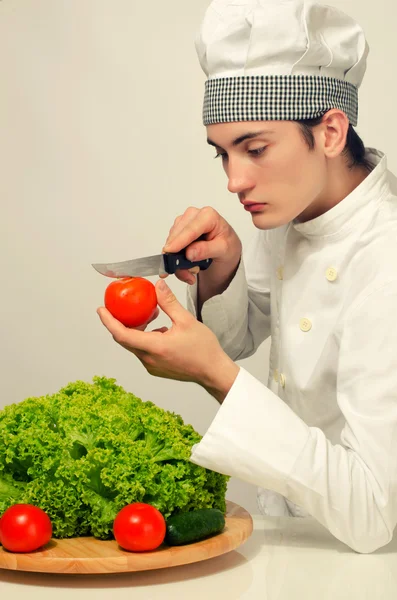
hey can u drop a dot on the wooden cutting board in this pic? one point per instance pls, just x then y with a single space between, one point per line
89 555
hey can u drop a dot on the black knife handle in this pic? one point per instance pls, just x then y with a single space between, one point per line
177 260
174 261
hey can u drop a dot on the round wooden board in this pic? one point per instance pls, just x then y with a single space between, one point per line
89 555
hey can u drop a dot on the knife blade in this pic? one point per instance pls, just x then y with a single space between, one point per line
158 264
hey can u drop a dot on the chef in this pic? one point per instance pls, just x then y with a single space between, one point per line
319 275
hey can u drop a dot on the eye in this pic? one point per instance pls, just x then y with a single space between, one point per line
257 151
223 155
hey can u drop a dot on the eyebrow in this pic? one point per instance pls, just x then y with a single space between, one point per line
247 136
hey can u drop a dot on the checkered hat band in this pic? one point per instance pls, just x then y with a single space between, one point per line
277 98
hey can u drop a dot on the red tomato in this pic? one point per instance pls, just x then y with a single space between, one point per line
139 527
131 300
24 528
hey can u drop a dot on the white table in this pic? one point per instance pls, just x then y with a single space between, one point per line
285 559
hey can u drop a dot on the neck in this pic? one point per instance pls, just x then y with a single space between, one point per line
341 181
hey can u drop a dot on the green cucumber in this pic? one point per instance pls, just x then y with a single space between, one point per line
192 526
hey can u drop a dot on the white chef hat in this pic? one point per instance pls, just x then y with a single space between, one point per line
279 60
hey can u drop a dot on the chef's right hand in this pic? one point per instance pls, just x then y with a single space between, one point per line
221 243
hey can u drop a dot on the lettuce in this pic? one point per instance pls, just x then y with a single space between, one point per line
85 452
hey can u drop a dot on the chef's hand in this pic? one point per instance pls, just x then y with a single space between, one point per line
187 351
221 244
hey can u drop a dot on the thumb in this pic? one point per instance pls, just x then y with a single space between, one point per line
168 302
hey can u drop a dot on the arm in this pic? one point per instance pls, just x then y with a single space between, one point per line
351 487
238 312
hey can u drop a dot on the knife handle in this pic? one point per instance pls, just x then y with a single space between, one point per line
177 260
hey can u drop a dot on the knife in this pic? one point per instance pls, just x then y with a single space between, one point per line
158 264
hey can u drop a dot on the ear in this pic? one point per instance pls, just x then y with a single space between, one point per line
335 127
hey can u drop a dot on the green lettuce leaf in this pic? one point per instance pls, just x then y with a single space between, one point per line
83 453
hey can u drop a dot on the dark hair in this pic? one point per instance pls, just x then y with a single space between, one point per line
354 148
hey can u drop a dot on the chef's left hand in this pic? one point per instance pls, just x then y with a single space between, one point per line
187 351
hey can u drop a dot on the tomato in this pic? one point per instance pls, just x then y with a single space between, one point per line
131 300
139 527
24 528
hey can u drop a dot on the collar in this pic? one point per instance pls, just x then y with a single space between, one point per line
343 215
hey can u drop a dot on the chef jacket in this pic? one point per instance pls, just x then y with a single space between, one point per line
321 438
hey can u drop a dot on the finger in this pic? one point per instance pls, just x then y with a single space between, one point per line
181 221
179 224
133 339
143 327
172 243
185 276
169 304
215 248
177 221
176 227
192 280
138 353
205 222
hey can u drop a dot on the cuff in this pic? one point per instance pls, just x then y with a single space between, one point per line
254 436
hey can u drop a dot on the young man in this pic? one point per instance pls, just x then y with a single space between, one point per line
319 275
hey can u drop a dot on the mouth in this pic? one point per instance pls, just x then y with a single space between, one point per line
253 206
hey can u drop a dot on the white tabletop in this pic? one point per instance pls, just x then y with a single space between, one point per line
284 559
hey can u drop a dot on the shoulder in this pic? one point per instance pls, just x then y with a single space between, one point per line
371 259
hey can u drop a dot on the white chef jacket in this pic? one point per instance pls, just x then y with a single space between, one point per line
321 437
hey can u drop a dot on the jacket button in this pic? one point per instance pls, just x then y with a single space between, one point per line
280 273
331 274
282 380
305 325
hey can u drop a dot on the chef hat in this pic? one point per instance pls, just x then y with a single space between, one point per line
279 60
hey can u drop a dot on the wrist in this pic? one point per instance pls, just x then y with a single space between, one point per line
215 280
222 378
221 271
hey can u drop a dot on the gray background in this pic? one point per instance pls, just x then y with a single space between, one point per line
101 147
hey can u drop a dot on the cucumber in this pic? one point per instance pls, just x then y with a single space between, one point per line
192 526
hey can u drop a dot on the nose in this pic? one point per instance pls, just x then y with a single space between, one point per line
239 180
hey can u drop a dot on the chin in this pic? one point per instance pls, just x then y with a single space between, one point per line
264 220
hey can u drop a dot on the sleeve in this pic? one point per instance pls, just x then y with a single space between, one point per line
351 487
240 317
